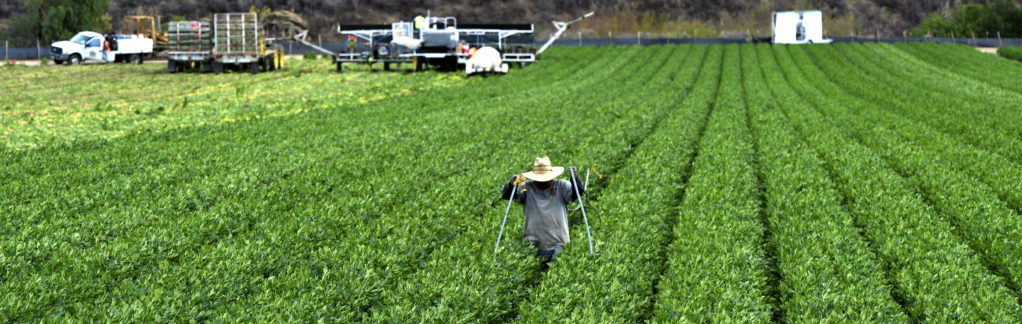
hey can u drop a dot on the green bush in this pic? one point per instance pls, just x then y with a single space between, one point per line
309 56
1011 52
981 20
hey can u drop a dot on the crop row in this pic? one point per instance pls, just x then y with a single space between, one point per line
934 275
749 183
639 206
827 270
717 268
215 204
986 222
489 290
988 124
967 61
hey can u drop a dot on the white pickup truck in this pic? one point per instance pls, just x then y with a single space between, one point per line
88 46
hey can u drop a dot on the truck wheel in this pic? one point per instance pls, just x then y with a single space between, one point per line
218 67
58 62
171 66
340 67
253 67
136 59
386 66
75 59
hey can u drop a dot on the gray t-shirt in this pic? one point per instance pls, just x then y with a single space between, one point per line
546 213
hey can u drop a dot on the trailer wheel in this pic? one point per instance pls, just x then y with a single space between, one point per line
339 67
218 67
75 59
253 67
171 66
386 66
136 59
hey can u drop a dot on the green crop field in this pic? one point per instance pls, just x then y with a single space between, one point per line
742 183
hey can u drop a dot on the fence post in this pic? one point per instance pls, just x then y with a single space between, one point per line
953 38
999 42
579 38
974 43
610 37
7 56
638 38
38 50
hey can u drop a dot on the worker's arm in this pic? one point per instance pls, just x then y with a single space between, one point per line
509 187
575 181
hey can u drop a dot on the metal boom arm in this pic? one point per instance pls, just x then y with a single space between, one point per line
561 27
301 38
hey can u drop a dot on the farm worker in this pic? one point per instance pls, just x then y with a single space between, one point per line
351 43
420 22
546 200
109 45
471 52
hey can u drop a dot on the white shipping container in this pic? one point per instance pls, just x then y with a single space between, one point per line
798 27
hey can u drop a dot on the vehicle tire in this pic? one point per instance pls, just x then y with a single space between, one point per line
171 66
340 67
218 67
253 67
75 59
386 66
136 59
58 62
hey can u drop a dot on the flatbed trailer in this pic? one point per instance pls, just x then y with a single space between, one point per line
230 40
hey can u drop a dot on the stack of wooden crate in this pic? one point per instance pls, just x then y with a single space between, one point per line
189 36
236 33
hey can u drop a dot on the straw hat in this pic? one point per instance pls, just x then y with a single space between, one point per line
542 171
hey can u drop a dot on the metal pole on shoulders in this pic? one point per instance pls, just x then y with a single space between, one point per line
504 221
589 234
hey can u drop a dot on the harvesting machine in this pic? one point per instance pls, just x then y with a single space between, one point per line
442 43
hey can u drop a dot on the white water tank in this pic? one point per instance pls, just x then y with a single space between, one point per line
486 60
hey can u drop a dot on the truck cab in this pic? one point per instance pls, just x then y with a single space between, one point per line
88 46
